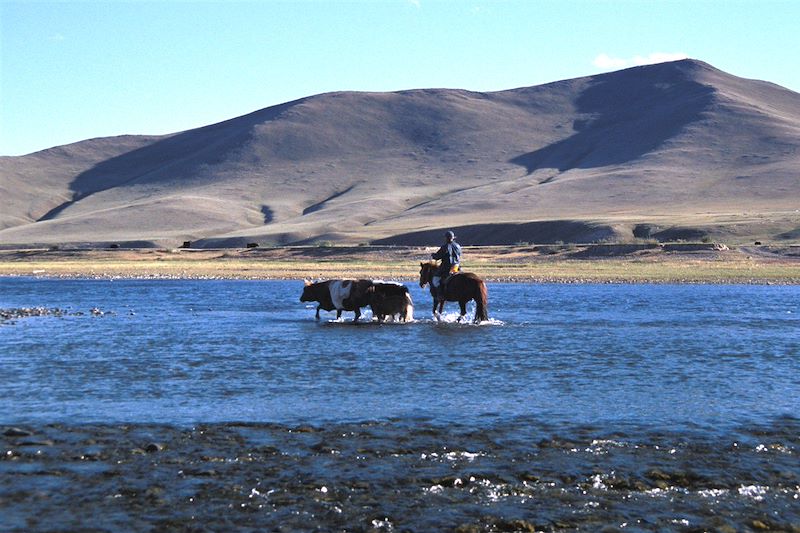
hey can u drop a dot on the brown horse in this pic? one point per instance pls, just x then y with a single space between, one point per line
461 288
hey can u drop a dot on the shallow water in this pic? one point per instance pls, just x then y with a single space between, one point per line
576 407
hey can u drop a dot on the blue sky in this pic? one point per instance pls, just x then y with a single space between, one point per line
76 70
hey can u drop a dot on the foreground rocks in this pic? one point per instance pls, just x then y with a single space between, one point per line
24 312
10 315
404 475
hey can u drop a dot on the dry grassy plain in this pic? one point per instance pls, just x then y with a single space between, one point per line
549 264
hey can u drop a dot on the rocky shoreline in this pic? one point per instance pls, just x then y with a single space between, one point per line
402 475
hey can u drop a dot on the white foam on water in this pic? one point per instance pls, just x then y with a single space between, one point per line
453 318
757 492
383 524
602 446
469 456
712 493
445 319
597 482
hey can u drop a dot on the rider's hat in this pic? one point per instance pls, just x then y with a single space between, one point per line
450 235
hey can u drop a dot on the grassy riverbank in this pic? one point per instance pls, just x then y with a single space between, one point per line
552 263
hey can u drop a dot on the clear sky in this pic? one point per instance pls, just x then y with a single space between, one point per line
76 70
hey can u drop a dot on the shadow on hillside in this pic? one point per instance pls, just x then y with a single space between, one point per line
175 158
628 114
544 232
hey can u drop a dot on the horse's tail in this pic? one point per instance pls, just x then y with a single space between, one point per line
481 301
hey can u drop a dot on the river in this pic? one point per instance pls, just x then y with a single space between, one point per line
166 405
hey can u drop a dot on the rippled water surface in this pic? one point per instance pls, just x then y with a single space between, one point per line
576 407
189 351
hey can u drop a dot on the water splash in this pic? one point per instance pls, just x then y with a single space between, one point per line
455 318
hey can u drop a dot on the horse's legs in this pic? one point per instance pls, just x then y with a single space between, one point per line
441 306
463 305
434 305
338 314
318 311
358 314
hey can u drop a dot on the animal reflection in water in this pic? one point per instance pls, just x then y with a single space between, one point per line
461 287
385 298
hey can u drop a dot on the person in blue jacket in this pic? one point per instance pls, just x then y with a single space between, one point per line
450 256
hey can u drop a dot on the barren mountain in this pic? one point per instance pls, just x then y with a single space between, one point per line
668 151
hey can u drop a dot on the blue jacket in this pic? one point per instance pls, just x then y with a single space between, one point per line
449 254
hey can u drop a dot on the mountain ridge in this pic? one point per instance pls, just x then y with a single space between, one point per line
677 144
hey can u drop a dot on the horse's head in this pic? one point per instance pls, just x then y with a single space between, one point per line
425 273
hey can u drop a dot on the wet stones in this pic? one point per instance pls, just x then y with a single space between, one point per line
10 315
37 442
154 493
657 475
398 476
11 455
557 444
304 429
154 447
528 477
506 525
451 481
322 448
516 525
664 480
204 472
22 441
17 432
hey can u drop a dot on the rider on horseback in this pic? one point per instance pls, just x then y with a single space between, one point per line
450 256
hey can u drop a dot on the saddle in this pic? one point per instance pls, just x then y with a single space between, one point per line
454 271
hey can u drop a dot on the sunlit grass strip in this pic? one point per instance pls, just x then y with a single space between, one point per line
662 270
211 268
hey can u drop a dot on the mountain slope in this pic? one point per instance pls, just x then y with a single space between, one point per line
677 144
